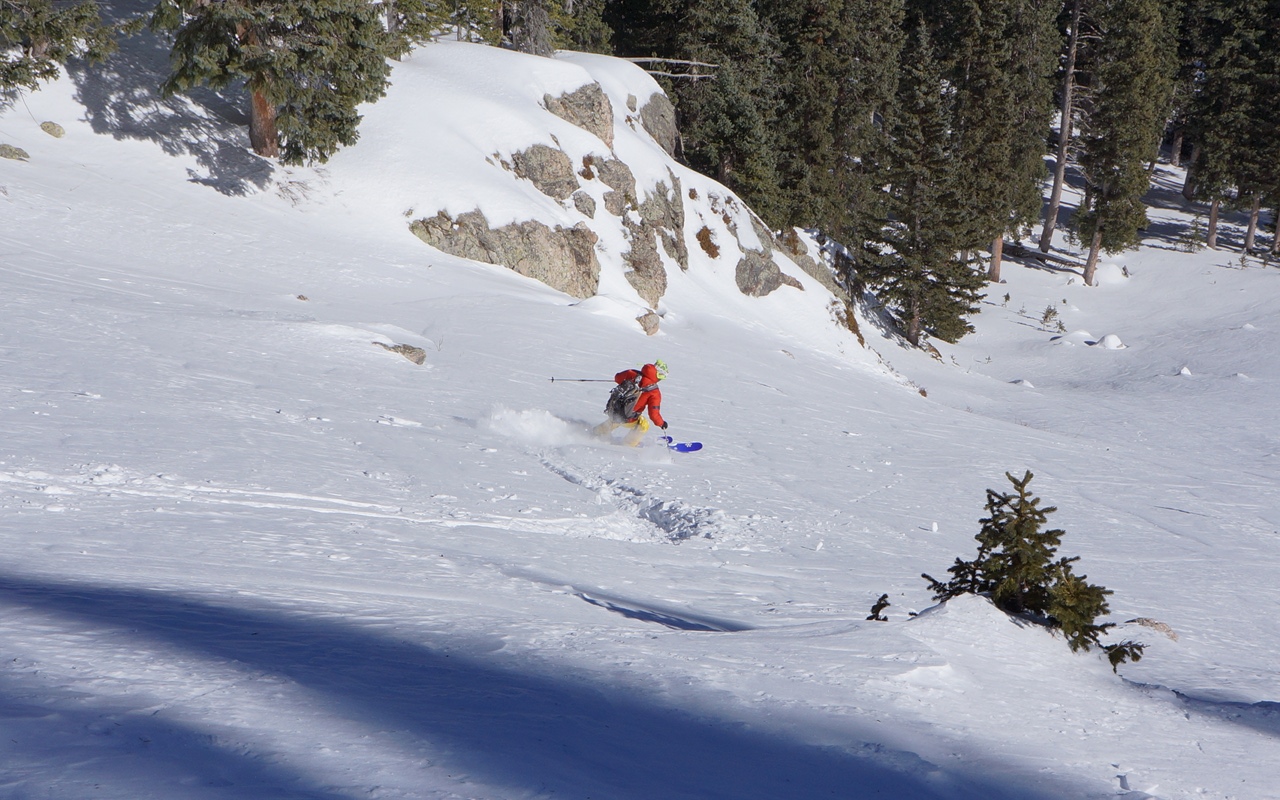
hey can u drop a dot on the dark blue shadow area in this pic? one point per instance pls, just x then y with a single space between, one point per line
122 98
553 737
1263 715
155 756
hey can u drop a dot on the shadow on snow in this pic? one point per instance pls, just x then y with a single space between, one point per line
122 98
528 732
131 753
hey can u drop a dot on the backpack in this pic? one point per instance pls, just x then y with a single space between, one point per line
622 401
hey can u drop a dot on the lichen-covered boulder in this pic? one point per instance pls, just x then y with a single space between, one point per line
646 273
649 322
563 258
588 108
415 354
757 275
798 250
53 129
663 210
15 153
548 169
585 204
658 118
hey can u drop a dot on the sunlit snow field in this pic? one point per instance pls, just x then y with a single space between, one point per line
245 553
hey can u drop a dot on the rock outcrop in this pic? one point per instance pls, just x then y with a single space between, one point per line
588 108
650 216
547 168
564 259
658 118
415 354
798 251
757 275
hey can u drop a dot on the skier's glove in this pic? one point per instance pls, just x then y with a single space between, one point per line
664 426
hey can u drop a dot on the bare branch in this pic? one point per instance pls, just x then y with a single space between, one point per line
671 61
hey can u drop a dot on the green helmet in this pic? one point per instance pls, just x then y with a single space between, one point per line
661 366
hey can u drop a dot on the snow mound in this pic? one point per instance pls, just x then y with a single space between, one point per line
1073 338
1111 274
1111 342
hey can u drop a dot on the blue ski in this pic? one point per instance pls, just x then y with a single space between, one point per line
682 447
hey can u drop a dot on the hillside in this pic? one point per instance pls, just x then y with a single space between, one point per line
248 553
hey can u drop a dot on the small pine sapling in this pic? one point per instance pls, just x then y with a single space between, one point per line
1015 567
880 605
1192 239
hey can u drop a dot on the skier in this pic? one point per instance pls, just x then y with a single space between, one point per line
637 392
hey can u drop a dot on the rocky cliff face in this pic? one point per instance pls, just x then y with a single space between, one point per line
653 222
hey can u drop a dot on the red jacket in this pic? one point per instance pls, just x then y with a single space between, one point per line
650 395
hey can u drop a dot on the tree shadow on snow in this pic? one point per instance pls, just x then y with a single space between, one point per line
530 733
1263 716
122 98
131 753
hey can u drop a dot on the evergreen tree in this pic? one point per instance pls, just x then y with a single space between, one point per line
1234 114
579 25
1131 82
413 22
837 73
306 64
921 275
36 37
999 57
865 101
476 20
1015 566
1073 19
725 120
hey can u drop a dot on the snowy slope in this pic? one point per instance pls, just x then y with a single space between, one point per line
250 554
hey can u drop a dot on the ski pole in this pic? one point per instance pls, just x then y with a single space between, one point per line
583 380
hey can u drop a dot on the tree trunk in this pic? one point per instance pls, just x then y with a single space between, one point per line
393 24
1091 266
263 135
997 255
914 328
1275 231
1064 133
1175 148
1189 185
532 31
1211 239
1253 224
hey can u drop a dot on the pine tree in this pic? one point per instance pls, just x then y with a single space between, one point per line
836 72
476 20
999 57
413 22
1066 118
306 64
922 275
36 37
1234 112
579 25
1131 83
1015 566
724 120
877 37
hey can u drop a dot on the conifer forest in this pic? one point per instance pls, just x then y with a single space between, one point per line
918 137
